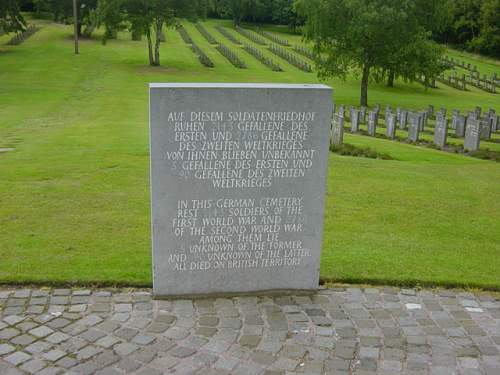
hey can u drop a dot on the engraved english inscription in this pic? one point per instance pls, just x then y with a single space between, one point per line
230 198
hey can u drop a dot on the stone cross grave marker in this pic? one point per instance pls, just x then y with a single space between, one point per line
471 141
238 178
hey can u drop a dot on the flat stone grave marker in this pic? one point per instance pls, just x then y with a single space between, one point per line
413 127
372 123
441 131
390 126
337 130
472 139
238 180
354 120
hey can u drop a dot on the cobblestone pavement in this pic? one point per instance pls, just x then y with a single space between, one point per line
336 331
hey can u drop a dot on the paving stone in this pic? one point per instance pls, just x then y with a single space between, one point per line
182 352
23 340
8 333
41 331
17 358
6 348
54 355
33 366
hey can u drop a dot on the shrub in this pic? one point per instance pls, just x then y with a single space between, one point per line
184 34
291 58
231 56
21 37
227 34
204 59
263 59
347 149
205 33
252 36
273 38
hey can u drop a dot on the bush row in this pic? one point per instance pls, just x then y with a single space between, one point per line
292 59
204 59
273 38
205 33
21 37
252 36
231 56
263 59
304 51
184 34
227 34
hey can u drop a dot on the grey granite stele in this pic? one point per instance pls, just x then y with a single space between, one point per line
238 179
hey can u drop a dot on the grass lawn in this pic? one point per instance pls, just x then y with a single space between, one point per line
74 194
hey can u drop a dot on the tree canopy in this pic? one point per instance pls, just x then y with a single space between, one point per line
373 37
11 19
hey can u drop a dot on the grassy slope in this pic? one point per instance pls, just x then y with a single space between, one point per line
74 198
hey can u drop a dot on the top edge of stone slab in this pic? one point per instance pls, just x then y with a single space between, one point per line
240 86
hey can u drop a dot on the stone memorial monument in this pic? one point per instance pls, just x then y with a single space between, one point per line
471 141
440 131
238 179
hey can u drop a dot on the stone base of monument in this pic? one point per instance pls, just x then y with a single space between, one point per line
238 180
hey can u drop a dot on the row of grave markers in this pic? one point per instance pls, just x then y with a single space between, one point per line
472 127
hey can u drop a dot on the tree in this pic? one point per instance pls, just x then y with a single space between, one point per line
370 37
109 13
11 19
149 17
488 41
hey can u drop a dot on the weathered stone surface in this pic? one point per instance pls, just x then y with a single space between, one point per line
440 131
239 167
472 138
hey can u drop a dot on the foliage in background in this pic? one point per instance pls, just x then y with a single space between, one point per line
474 26
372 37
11 19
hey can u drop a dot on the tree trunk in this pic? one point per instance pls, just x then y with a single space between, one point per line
158 31
150 48
364 85
390 79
